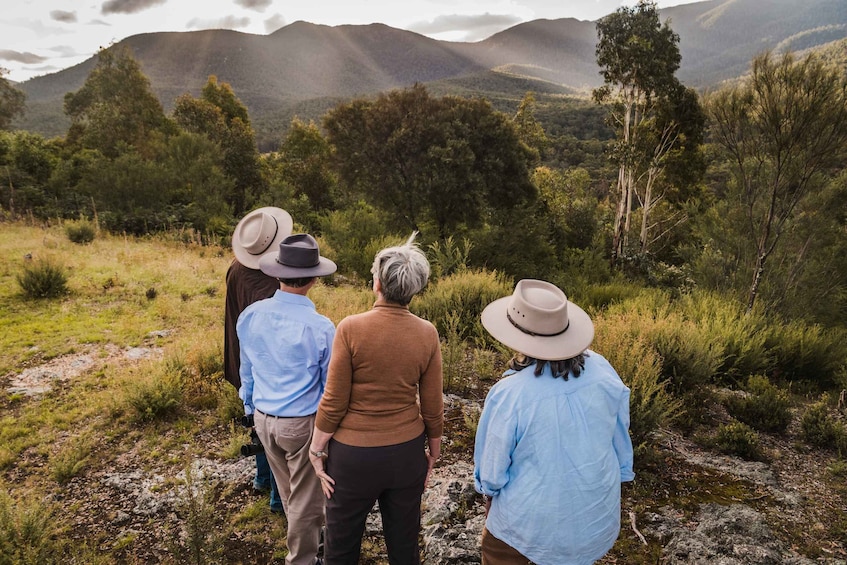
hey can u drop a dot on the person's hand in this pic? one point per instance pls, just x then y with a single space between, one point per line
318 460
431 459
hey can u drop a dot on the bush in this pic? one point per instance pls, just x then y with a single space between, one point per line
765 408
820 429
43 279
81 231
739 439
809 352
463 295
353 237
155 398
651 405
27 533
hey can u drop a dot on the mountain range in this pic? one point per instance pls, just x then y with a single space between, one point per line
304 69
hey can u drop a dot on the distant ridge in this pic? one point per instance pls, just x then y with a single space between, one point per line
303 69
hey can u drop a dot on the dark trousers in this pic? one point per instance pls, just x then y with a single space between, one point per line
394 476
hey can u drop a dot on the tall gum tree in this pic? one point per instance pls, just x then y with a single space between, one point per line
116 107
784 130
638 57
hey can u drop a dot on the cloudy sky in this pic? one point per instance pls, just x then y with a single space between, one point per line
44 36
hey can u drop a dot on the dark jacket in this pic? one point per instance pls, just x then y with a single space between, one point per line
244 286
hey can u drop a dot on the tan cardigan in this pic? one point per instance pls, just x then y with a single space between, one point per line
382 361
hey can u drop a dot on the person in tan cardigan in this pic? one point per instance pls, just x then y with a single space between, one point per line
378 428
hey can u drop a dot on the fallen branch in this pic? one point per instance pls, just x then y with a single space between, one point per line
634 529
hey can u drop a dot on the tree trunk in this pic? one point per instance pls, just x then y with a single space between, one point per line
757 278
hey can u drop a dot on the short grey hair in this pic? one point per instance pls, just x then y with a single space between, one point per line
403 271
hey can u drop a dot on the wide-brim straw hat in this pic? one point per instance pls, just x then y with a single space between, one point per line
298 257
539 321
259 233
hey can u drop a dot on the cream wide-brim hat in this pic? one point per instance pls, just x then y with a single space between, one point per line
539 321
259 233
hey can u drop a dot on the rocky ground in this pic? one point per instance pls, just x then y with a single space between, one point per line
687 505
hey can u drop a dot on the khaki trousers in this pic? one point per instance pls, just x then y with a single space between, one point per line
497 552
286 442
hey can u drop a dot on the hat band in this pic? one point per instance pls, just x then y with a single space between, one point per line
528 332
268 240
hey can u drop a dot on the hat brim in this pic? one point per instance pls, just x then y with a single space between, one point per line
285 224
269 265
570 343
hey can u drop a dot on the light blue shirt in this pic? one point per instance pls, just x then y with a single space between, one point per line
285 349
552 454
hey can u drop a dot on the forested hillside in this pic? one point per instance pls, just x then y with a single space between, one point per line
303 69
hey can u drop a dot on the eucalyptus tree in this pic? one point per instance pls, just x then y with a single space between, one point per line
784 130
444 161
638 57
116 108
223 118
12 101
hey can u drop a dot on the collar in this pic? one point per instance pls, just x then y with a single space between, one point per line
291 298
383 303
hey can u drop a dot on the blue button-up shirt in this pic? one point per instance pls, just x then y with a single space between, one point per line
552 454
285 349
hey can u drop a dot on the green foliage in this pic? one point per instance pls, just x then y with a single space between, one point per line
449 257
783 131
27 533
820 429
12 101
354 235
460 298
739 439
808 352
71 460
221 116
199 542
652 407
158 396
43 278
766 407
116 107
80 231
425 160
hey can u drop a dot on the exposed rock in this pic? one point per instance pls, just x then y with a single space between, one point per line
723 535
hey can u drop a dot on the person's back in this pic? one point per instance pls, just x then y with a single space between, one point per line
562 465
380 396
285 353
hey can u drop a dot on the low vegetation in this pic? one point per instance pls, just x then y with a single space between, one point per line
159 409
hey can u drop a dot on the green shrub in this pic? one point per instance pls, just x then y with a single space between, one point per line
27 533
71 460
651 405
820 429
742 336
199 540
448 257
809 352
765 408
353 236
463 295
80 231
739 439
157 397
43 279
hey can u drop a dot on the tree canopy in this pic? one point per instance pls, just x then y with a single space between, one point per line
783 130
12 101
115 107
440 160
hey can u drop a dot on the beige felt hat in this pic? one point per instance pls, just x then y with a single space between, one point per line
539 321
259 233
